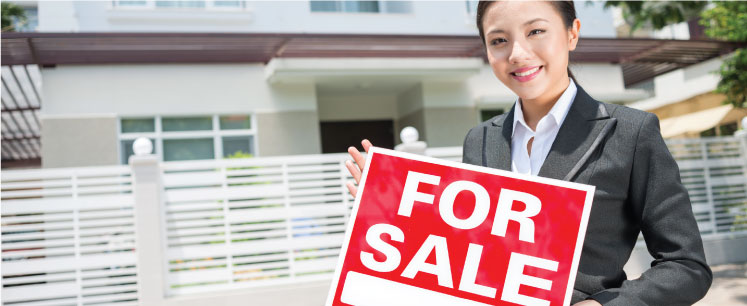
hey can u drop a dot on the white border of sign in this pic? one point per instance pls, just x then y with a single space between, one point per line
589 189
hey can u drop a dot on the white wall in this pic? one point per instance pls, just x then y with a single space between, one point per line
427 18
131 90
601 80
681 84
357 107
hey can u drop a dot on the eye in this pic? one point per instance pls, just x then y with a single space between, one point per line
537 30
497 41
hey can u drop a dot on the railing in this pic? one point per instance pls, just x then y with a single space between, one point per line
69 236
714 171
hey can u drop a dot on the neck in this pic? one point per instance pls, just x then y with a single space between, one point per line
535 109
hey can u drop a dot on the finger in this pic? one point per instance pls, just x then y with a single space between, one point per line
366 144
358 157
352 189
353 170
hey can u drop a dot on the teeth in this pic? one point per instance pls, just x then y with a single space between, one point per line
528 72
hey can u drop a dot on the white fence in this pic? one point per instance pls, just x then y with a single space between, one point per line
69 236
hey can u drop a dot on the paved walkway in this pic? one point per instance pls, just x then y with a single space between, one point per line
729 286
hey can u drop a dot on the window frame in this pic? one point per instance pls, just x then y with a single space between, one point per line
215 133
382 9
151 5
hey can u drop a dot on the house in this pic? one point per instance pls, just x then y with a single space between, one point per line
218 79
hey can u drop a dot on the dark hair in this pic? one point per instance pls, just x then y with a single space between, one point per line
566 9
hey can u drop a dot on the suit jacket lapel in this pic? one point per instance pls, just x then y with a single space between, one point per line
584 124
497 142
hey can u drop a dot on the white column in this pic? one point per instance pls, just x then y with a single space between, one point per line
149 220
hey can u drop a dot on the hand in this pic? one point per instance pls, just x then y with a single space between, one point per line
356 170
588 303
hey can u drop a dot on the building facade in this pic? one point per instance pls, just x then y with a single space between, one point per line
318 101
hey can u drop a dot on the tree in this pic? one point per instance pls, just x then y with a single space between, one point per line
11 14
728 21
657 13
725 20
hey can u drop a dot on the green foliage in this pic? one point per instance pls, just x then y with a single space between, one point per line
727 20
239 154
657 13
11 13
733 81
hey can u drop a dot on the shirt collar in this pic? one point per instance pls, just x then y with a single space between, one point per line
558 111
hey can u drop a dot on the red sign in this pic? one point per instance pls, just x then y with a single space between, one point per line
426 231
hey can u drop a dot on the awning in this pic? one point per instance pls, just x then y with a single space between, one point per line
700 121
641 59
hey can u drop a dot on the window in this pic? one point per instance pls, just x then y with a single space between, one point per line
179 4
190 137
392 7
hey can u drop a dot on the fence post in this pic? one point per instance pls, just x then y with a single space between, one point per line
149 233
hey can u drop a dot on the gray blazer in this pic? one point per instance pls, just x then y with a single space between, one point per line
638 189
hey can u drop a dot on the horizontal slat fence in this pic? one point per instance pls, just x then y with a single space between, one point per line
68 237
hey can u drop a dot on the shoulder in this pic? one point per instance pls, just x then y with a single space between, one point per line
631 119
479 128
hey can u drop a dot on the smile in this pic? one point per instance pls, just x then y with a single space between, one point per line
526 75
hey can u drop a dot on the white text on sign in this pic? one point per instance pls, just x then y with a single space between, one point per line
434 243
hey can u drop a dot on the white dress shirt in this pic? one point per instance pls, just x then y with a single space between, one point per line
544 136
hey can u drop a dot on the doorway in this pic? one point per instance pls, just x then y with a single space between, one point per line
337 136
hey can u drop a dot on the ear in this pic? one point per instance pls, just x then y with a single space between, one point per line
573 34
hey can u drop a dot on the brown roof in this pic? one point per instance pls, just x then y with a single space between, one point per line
641 59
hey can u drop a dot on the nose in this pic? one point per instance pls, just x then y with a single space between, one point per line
518 53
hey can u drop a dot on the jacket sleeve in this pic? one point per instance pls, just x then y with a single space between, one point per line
471 146
679 274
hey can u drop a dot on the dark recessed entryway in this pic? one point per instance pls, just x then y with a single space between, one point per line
337 136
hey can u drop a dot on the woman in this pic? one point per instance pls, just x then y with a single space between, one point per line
555 129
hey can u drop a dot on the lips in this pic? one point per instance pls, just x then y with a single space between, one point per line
526 74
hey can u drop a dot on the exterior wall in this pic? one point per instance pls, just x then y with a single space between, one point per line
447 126
410 112
174 90
81 140
288 133
681 84
449 113
57 16
357 107
694 104
452 18
180 89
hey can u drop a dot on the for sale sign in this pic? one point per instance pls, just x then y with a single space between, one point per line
425 231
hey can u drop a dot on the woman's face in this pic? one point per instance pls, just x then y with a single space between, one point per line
523 36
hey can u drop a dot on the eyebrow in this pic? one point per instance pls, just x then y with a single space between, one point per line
525 24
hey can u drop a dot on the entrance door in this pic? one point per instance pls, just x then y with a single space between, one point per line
337 136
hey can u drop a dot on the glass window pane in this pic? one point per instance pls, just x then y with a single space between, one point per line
227 3
131 3
126 149
138 125
188 149
240 122
325 6
188 4
187 124
362 6
237 146
398 7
